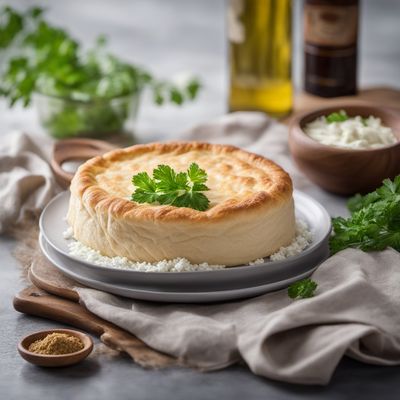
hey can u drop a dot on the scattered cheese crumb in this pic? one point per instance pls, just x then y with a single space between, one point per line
68 234
258 261
302 239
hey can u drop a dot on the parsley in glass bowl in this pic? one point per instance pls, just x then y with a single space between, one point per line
76 92
63 117
96 96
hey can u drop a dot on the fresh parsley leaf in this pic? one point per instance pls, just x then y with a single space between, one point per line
389 187
176 96
302 289
192 88
143 181
166 177
199 201
158 98
358 202
196 174
11 24
142 196
183 189
146 188
374 223
339 116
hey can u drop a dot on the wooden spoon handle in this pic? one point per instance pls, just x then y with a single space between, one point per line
75 149
37 302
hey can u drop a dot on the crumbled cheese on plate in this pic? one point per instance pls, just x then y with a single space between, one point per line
302 239
68 234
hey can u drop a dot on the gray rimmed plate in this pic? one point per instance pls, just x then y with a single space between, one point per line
72 269
53 224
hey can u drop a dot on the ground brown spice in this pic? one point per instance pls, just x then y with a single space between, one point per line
56 343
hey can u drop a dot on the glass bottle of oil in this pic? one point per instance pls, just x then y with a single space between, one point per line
259 33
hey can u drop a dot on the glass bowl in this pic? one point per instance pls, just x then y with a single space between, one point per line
65 118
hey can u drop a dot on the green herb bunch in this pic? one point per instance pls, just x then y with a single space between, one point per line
182 189
49 60
39 57
374 223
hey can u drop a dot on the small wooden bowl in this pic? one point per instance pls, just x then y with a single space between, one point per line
61 360
340 170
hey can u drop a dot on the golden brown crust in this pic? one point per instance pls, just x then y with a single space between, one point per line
251 213
276 185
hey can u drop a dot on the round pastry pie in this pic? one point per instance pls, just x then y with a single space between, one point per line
250 215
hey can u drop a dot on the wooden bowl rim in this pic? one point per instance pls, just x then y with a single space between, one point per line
27 340
297 125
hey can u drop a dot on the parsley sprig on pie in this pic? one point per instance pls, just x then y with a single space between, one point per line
182 189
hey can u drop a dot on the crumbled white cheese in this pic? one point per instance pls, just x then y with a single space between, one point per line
81 251
258 261
68 234
302 239
354 133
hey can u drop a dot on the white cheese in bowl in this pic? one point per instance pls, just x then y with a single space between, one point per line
77 249
351 132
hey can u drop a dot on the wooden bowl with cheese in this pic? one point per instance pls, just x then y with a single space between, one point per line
353 160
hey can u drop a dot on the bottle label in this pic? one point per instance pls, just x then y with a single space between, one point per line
327 25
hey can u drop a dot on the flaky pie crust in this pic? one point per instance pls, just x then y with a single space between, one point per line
251 213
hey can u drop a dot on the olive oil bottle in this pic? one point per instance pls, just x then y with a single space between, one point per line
259 33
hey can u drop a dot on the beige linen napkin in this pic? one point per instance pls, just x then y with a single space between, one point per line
355 312
26 180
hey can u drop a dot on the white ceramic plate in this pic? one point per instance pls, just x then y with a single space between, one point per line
67 267
53 224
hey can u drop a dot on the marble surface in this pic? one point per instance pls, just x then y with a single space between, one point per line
172 36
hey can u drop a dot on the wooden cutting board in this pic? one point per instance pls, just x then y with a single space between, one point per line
52 296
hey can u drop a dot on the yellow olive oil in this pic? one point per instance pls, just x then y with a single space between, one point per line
259 33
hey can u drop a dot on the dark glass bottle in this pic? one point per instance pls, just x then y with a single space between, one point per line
330 47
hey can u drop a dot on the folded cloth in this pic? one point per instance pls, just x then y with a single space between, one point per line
26 179
354 312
